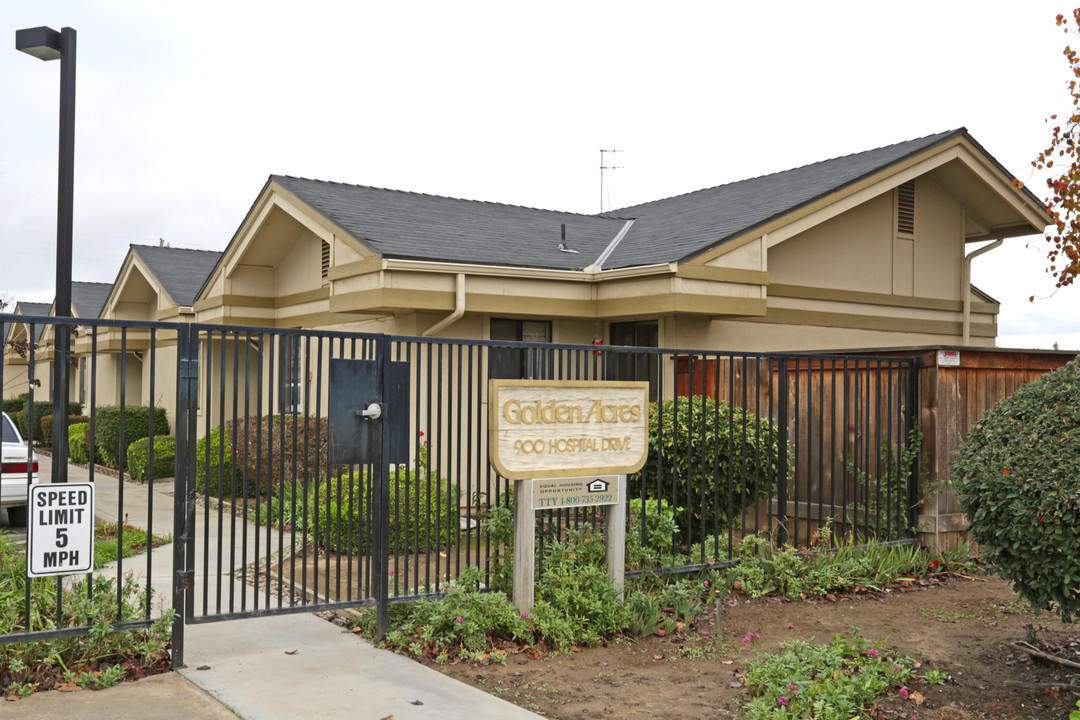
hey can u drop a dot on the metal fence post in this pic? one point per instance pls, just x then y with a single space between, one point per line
782 461
187 384
913 419
381 494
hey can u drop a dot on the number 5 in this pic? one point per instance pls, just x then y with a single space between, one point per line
61 537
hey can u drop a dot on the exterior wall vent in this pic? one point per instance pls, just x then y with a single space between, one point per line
905 209
325 259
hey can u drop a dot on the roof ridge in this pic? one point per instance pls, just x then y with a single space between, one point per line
167 247
439 197
944 134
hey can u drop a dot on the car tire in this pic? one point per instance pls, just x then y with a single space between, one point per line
17 515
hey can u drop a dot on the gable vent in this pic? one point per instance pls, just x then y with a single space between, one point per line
905 208
325 259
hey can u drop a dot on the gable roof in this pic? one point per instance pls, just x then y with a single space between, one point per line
180 271
677 228
414 226
88 298
34 310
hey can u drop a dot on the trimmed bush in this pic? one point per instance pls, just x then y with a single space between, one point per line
47 424
15 404
136 426
1017 477
138 457
42 409
700 445
271 461
78 443
423 513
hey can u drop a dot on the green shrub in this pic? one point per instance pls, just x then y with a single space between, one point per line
15 404
576 602
270 460
712 455
660 528
138 457
423 512
78 444
47 424
1017 477
136 425
43 409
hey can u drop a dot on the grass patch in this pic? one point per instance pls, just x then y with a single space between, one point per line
107 542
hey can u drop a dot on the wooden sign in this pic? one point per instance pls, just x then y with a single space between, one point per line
546 428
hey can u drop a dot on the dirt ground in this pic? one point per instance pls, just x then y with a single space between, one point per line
964 627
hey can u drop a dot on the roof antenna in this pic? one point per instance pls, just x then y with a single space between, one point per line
602 169
562 243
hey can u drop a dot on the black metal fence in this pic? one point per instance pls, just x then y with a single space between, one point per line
781 445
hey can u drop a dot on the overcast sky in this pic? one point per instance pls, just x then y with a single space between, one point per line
184 109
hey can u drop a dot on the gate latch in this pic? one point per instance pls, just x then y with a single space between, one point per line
371 412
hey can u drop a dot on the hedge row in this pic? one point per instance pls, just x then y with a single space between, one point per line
42 409
267 453
136 422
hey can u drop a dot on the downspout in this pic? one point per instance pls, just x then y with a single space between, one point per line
459 309
967 285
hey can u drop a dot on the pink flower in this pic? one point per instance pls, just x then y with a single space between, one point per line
790 627
904 693
755 636
523 615
459 619
391 572
782 701
874 653
746 639
793 688
706 583
896 668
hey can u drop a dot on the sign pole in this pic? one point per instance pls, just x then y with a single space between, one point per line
615 539
524 546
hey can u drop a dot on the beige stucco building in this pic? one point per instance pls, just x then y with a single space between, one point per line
868 250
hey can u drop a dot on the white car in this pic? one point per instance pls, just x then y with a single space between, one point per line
14 489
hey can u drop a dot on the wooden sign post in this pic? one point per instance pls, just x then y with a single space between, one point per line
567 444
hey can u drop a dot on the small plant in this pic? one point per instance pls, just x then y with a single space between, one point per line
934 676
646 615
839 680
650 534
683 598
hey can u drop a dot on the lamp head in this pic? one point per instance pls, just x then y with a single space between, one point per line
41 42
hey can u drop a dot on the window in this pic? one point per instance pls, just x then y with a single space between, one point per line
520 363
10 434
289 355
636 366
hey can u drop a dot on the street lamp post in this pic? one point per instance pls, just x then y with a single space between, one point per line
45 43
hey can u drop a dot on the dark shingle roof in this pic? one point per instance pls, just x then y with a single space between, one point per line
396 224
88 298
180 271
405 225
34 310
677 228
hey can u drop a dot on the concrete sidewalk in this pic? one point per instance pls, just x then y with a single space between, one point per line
272 667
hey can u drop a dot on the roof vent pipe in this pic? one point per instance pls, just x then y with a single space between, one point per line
562 243
459 309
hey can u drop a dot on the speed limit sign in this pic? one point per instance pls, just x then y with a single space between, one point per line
60 531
